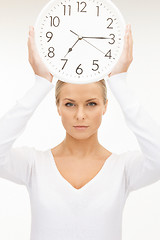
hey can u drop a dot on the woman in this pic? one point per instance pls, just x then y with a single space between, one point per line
78 189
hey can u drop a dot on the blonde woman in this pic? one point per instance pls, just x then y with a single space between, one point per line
78 189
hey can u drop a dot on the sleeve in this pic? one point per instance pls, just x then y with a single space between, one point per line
141 167
16 163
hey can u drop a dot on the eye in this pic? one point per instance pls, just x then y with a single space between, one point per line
67 104
93 103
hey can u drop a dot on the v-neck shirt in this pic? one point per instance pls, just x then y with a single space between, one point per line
63 180
94 212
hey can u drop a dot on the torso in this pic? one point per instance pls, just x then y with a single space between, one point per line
78 173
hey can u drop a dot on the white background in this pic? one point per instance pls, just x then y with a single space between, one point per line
141 218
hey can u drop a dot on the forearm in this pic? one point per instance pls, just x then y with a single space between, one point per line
13 123
146 130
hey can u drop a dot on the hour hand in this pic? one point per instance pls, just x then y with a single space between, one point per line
70 49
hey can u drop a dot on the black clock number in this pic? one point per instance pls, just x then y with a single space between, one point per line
55 21
110 23
51 52
108 54
65 62
69 9
49 35
97 11
79 69
95 65
82 10
113 38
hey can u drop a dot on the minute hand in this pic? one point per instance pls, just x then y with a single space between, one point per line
97 37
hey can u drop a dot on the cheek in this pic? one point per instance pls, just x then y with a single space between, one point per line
97 118
66 118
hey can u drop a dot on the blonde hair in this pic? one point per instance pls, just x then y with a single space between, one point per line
59 84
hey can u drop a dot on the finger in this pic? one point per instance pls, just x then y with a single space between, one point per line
31 31
31 38
31 34
127 52
126 39
130 33
130 41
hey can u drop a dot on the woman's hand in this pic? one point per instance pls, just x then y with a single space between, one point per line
127 54
37 64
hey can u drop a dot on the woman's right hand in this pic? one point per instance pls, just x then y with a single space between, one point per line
34 58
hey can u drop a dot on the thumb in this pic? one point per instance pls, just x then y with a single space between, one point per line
31 38
31 30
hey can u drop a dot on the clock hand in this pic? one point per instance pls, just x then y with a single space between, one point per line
74 33
81 38
97 37
70 49
91 37
92 45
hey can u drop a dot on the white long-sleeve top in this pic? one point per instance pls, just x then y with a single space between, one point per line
94 212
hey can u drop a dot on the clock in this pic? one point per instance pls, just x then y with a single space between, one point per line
80 41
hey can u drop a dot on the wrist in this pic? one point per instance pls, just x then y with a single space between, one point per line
114 73
48 77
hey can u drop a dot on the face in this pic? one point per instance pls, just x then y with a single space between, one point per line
81 105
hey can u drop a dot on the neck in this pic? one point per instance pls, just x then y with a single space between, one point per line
81 148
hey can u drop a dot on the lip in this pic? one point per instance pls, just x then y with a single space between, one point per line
80 127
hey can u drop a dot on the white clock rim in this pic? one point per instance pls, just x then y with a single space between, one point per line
103 75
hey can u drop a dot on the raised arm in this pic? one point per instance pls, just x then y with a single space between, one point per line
16 163
141 167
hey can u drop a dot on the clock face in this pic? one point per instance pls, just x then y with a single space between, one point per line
80 41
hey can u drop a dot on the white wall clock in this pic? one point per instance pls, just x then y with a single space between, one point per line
80 41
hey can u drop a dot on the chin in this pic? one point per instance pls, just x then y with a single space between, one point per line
80 135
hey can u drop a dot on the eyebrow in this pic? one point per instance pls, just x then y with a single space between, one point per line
74 100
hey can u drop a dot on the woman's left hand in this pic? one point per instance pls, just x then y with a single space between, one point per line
127 54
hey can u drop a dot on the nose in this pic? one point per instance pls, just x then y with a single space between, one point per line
80 113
